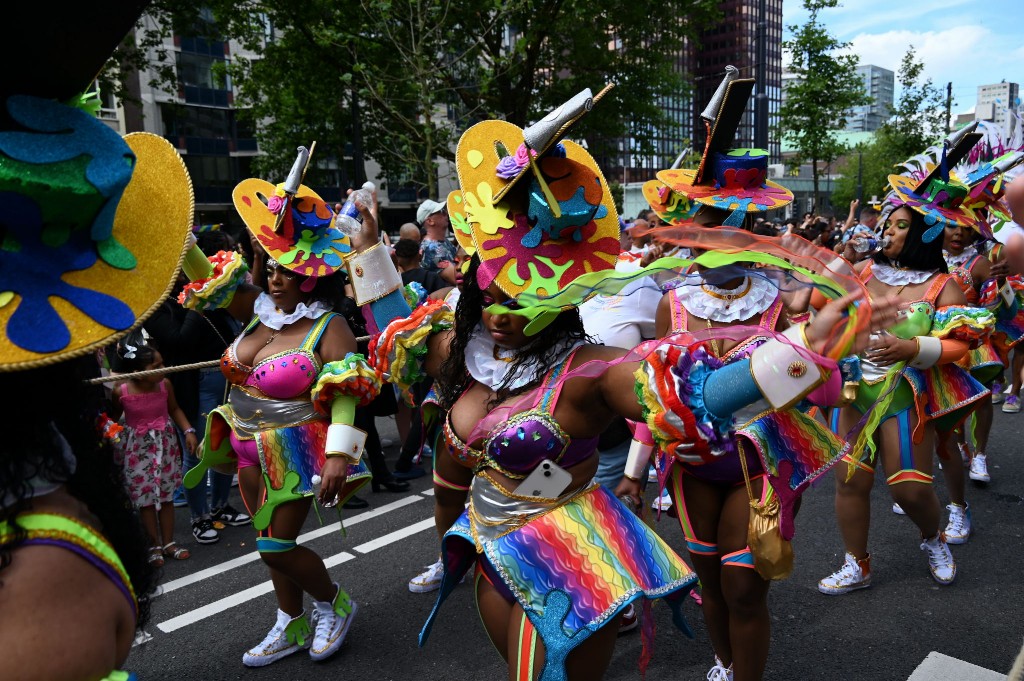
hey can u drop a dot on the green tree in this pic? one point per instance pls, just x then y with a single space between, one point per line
918 121
826 88
920 117
400 79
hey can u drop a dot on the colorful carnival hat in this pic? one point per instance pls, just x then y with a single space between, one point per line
671 206
987 185
94 225
292 223
734 180
534 207
939 196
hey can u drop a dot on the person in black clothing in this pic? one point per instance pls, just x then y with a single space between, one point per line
408 257
184 337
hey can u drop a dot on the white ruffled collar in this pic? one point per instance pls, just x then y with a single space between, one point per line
490 365
894 276
965 256
710 302
271 316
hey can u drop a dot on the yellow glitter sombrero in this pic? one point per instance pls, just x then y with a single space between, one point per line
93 241
522 244
93 225
305 239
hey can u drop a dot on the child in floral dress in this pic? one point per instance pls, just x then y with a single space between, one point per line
149 447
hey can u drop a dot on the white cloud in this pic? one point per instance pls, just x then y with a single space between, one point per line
941 52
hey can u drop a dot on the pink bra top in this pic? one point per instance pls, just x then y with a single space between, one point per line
284 375
145 411
518 445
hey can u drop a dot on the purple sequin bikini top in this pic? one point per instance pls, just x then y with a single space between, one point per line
517 445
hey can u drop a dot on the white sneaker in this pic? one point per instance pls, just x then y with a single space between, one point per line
289 635
331 622
940 559
662 503
897 509
958 529
855 574
428 580
719 672
630 619
979 469
1011 405
652 474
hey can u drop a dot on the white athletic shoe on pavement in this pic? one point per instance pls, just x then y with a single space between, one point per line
979 469
897 509
940 559
854 574
662 503
958 529
289 635
719 672
428 580
331 622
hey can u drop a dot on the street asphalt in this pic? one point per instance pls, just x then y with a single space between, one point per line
218 604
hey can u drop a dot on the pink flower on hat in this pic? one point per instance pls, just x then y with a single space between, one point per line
275 204
523 155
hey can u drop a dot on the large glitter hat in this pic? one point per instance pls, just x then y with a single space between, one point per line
729 179
292 223
938 193
533 206
94 225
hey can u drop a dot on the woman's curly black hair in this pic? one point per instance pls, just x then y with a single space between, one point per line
564 332
916 254
57 397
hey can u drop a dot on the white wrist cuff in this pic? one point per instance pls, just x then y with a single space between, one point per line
1007 294
637 459
372 273
928 353
345 440
782 374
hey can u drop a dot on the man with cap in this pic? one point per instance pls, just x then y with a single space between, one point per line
438 252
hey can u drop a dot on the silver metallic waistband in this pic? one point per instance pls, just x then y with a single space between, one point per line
494 511
252 414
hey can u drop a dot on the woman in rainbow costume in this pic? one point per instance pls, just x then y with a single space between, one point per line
296 380
738 299
984 283
528 397
909 384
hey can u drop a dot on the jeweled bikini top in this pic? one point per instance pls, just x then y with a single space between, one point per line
281 376
517 445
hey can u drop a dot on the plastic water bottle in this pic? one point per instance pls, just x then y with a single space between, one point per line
350 220
870 245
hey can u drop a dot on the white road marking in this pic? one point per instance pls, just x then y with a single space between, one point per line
220 568
218 606
397 535
211 609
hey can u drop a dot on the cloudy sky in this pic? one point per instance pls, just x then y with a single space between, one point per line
966 42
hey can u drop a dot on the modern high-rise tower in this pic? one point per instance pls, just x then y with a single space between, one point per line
878 84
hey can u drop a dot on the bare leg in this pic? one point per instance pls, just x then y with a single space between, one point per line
983 425
301 565
515 640
745 591
853 496
148 516
952 467
917 499
166 524
701 506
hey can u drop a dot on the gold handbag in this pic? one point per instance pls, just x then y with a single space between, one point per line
773 555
